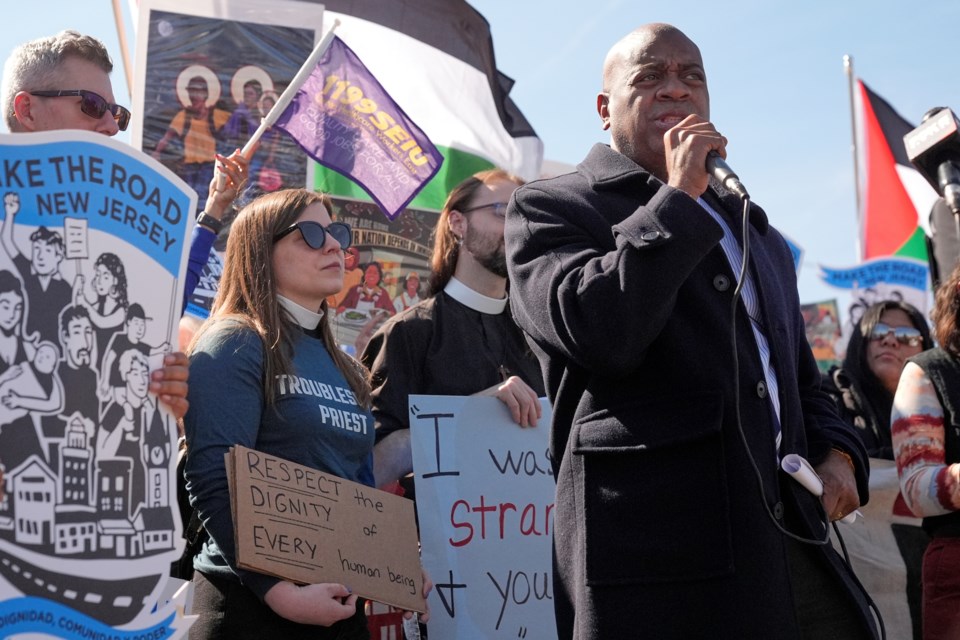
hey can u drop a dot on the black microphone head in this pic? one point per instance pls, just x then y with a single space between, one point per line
934 142
719 169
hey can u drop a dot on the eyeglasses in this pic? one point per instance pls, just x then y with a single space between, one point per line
92 104
499 209
905 335
315 234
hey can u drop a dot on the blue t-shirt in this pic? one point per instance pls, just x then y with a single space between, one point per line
315 421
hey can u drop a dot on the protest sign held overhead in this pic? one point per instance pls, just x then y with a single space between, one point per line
206 74
94 248
872 281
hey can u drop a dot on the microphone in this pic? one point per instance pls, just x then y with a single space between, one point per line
934 149
948 179
719 169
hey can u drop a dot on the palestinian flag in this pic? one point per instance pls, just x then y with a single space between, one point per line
896 198
435 58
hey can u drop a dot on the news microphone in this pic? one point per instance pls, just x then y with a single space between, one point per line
948 181
719 169
934 149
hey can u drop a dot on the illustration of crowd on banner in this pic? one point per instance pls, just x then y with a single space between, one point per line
89 455
88 229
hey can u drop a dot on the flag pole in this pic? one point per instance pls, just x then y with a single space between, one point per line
848 69
124 48
291 90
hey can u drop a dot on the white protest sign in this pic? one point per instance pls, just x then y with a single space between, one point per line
485 493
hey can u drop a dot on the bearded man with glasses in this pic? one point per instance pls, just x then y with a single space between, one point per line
462 339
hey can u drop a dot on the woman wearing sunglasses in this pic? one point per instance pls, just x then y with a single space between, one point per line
269 321
926 441
887 334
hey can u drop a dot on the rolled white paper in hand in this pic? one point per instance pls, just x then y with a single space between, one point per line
800 470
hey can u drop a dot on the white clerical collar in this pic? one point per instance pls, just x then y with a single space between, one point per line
301 315
476 301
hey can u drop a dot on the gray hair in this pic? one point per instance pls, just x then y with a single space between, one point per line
34 63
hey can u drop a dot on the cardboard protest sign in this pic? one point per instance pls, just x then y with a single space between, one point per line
485 493
93 252
307 526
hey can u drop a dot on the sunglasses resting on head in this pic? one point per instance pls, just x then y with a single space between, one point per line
905 335
92 104
314 233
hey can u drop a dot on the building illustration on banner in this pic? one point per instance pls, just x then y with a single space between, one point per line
93 241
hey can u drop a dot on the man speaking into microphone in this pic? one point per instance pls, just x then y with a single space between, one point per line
671 410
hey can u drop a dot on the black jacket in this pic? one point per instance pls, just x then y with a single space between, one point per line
660 528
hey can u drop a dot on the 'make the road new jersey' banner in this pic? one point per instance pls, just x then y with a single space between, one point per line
93 252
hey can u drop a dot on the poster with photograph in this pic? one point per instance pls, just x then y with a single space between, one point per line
206 73
92 252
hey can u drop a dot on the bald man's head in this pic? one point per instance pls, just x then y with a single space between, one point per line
623 49
652 78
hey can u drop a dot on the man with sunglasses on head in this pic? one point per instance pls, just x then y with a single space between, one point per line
63 82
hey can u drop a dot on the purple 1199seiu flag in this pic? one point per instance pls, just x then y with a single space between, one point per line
345 120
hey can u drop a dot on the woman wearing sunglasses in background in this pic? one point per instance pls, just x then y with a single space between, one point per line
926 441
269 321
888 333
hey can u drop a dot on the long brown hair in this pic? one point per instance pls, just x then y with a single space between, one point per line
446 246
248 290
946 314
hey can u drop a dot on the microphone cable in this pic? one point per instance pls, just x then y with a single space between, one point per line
741 280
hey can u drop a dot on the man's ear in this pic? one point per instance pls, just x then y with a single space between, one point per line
23 111
458 223
603 108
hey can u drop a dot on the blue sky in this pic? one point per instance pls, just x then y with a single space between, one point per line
775 72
